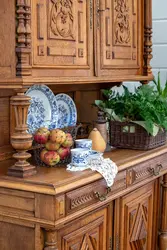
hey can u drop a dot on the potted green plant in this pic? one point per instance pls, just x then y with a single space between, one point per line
137 120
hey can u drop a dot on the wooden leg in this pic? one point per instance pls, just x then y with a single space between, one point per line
50 240
163 229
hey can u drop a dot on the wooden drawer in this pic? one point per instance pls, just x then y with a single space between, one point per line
85 196
147 169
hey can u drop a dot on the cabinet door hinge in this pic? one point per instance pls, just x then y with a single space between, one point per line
117 242
111 244
111 247
91 14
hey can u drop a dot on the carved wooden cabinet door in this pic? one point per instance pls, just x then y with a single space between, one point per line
119 37
62 37
136 220
88 233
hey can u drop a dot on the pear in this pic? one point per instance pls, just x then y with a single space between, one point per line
98 143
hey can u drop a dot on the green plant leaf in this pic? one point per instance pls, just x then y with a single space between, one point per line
153 130
111 115
100 104
159 84
165 90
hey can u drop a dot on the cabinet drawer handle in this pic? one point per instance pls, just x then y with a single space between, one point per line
103 197
156 171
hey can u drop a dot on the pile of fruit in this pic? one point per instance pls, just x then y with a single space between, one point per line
57 145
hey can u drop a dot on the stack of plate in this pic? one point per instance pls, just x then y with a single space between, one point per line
48 110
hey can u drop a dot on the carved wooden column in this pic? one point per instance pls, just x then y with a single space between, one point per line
147 37
21 140
163 229
50 240
23 41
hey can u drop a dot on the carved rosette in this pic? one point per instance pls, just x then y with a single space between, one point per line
122 23
61 18
23 38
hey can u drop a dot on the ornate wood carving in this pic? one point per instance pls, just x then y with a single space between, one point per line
61 18
138 227
146 169
122 22
137 218
23 40
21 140
50 240
147 37
62 38
78 201
120 32
85 196
88 233
163 228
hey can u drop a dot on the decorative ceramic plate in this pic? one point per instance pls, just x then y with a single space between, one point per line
67 111
43 109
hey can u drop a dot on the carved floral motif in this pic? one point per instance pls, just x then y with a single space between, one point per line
61 18
122 22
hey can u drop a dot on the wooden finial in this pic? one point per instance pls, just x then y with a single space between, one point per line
21 140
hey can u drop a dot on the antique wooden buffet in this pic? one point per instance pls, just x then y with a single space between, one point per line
77 47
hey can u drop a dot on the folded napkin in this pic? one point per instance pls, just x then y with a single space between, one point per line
106 167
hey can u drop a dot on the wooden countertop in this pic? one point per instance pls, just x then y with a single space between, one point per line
56 180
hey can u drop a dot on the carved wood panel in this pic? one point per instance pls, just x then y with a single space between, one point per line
88 233
119 37
135 219
85 196
146 169
63 36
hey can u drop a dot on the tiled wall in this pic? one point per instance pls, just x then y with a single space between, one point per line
159 61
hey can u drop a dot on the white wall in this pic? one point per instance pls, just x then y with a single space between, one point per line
159 61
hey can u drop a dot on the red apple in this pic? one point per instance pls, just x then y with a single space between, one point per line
57 135
63 152
52 145
41 135
51 158
42 154
68 141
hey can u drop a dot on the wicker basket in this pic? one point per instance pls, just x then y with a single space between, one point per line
81 130
133 136
39 147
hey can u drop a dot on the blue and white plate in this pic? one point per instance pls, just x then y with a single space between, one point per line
67 111
43 109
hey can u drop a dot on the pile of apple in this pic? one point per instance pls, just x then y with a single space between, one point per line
57 145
